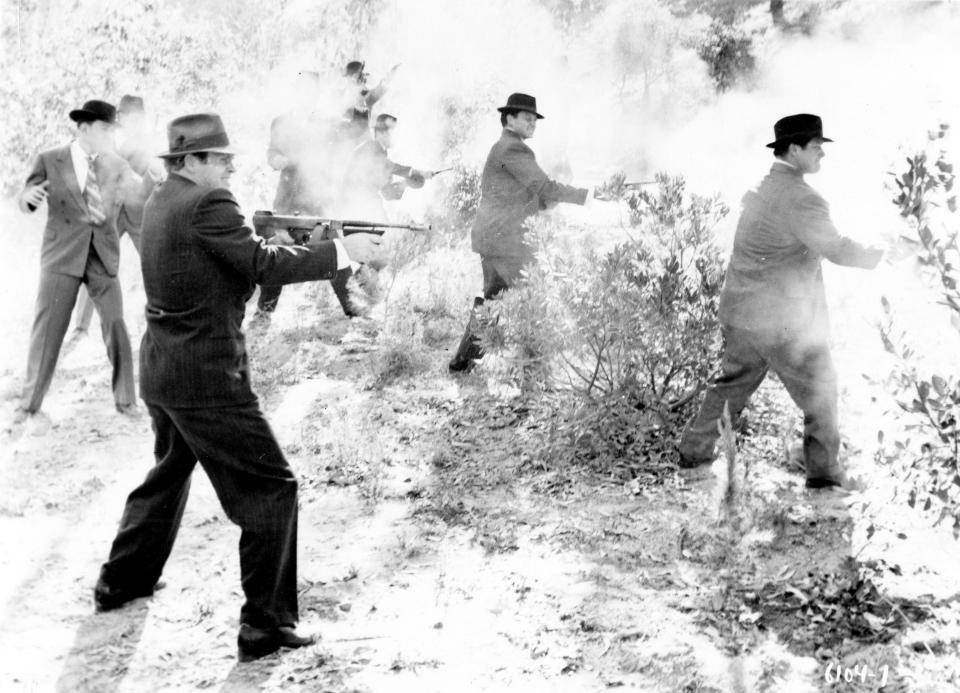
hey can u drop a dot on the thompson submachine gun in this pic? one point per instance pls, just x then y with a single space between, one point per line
301 227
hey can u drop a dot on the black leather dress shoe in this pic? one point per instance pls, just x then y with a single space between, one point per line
254 643
106 598
459 365
823 483
693 463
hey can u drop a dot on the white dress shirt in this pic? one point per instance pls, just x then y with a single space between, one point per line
80 165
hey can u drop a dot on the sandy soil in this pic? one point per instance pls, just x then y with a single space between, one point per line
431 558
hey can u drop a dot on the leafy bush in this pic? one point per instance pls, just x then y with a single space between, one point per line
632 331
458 203
928 462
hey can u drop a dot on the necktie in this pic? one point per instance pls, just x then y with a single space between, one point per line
91 193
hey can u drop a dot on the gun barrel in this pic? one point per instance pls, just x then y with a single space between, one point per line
304 225
639 183
349 227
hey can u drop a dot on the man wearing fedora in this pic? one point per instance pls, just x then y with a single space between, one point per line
356 121
200 265
513 188
372 177
133 147
84 184
773 309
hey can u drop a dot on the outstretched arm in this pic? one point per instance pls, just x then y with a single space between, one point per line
219 225
519 161
814 228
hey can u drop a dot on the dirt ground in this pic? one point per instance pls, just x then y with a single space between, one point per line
434 558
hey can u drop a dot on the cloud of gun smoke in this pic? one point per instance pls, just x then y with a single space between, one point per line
626 94
460 59
878 75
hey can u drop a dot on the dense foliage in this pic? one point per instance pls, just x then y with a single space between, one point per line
926 459
629 333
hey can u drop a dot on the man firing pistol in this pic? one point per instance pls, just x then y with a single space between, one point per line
773 309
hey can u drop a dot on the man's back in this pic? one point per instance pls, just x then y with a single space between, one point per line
774 281
193 349
200 263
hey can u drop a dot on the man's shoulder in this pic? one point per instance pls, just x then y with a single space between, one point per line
510 143
177 195
783 182
178 189
801 192
59 152
368 148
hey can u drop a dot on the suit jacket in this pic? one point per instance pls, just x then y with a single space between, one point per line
69 233
200 264
512 188
774 282
309 178
369 181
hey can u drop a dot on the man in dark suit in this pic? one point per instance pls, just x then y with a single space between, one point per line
302 149
200 264
773 309
512 189
84 184
372 177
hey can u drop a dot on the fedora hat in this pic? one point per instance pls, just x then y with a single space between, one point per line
130 104
94 110
353 67
199 132
797 126
521 102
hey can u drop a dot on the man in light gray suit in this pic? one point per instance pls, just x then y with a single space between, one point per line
84 185
773 309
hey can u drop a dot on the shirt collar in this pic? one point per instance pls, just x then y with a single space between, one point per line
786 167
78 153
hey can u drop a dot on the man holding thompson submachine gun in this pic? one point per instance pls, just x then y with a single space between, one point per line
200 265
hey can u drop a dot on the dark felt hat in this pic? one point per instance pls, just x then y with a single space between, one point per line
130 104
521 102
94 110
799 125
199 132
353 68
